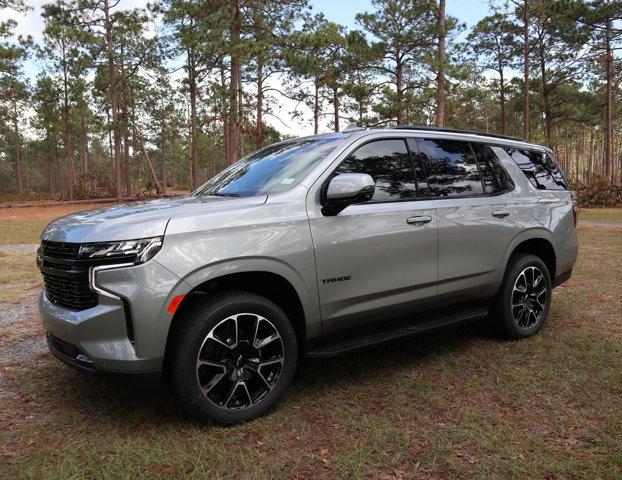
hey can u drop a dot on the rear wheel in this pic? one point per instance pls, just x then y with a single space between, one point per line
232 357
522 304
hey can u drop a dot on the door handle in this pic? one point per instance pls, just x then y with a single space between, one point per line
500 213
418 221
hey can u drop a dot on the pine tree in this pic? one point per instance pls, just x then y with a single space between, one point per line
405 38
494 47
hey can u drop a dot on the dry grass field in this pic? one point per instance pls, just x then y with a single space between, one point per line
455 404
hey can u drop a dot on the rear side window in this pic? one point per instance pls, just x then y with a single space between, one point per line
539 168
496 179
388 163
451 168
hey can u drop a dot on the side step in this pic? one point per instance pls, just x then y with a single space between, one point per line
403 331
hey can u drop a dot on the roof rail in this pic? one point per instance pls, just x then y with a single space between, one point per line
353 127
457 130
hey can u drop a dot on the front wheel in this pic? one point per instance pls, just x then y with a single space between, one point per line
523 301
233 356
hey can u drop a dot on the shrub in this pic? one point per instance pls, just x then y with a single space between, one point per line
598 192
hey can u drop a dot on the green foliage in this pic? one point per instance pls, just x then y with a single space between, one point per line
180 89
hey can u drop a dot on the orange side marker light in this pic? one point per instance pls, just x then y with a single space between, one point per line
174 305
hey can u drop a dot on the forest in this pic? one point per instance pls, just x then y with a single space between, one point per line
131 102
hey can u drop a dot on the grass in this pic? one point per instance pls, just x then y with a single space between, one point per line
601 214
25 224
18 276
456 404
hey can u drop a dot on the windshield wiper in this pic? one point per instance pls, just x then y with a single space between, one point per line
219 194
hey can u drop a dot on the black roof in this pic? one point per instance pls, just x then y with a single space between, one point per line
456 130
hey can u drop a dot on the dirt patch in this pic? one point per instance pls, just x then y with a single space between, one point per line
590 224
45 212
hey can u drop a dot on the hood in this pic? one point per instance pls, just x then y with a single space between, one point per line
137 220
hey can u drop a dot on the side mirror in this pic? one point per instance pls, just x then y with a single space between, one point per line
346 189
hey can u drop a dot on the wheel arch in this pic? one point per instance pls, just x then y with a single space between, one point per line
538 242
271 279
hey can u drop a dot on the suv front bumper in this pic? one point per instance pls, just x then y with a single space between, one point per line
74 358
126 331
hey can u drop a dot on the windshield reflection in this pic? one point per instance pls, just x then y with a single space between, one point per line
273 169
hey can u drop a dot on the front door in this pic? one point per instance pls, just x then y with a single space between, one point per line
376 260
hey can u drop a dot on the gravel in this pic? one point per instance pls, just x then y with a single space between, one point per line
13 313
24 350
19 248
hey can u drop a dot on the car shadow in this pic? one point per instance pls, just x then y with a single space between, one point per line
128 405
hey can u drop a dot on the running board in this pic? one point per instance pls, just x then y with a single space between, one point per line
404 331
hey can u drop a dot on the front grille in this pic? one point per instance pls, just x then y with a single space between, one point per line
60 249
65 276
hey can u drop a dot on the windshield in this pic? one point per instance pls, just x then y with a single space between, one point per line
273 169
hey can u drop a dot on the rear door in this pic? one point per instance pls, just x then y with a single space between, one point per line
375 260
476 218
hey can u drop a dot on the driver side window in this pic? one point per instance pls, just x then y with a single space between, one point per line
388 163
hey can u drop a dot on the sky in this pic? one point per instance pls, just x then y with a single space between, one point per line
344 11
338 11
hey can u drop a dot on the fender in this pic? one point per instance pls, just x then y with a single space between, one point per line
308 296
529 234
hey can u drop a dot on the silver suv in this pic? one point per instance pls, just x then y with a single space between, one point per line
314 246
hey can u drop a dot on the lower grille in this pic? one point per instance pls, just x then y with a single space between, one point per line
69 354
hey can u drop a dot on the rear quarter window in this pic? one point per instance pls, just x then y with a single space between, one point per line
496 179
539 168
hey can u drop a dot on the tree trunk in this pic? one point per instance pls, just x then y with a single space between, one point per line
126 146
608 158
154 176
316 109
224 118
18 152
194 148
67 128
86 160
526 72
548 128
240 146
440 74
399 86
113 100
336 105
590 166
361 110
259 131
164 172
502 100
234 35
51 176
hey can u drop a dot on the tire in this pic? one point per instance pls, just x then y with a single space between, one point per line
232 357
519 314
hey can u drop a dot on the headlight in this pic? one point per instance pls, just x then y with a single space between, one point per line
135 251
